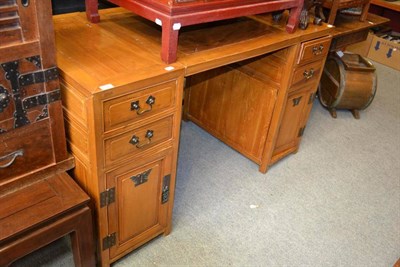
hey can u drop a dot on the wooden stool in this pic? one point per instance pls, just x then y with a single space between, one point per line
43 212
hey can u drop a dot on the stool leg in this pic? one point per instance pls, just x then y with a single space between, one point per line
82 240
355 113
332 111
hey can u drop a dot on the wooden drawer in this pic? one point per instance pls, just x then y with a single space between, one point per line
306 74
139 105
25 149
314 50
131 143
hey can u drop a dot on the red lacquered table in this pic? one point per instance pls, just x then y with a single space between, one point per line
171 15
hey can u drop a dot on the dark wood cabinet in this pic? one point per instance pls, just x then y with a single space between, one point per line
31 123
40 201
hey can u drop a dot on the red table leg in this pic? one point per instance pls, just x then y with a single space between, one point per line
92 12
169 42
294 18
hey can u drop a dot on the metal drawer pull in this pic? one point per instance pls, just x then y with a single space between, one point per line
135 105
135 140
13 156
317 50
308 74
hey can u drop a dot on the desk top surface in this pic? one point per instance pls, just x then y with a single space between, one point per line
123 44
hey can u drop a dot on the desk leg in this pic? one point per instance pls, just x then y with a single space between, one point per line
169 42
294 18
92 11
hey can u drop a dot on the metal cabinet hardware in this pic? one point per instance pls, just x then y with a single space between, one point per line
41 99
109 241
136 141
308 74
136 106
165 188
317 50
296 101
4 98
141 178
13 156
107 197
311 99
301 131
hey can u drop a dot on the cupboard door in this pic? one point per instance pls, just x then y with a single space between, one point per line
140 210
306 112
291 125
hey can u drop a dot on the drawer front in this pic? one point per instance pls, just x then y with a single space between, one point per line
139 105
307 74
25 149
314 50
131 143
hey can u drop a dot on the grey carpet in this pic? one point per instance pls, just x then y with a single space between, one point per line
334 203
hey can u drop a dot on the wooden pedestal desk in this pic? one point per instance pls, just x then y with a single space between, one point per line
123 106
